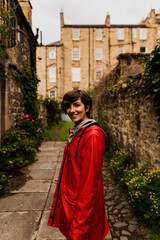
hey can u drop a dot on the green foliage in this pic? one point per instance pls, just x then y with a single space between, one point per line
6 17
52 111
30 92
4 180
17 149
143 187
151 77
120 160
90 92
120 86
31 126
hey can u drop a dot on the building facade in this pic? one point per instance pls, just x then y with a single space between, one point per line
15 51
87 52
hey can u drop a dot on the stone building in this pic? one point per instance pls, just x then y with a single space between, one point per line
16 51
50 67
86 52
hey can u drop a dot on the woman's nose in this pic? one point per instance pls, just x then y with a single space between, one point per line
72 109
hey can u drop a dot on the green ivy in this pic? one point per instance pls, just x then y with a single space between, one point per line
52 111
30 92
151 77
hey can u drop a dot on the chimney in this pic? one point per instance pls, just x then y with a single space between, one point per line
62 18
27 10
107 21
41 38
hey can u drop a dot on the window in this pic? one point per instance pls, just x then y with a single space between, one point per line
98 73
134 32
142 49
52 52
143 33
75 34
98 34
76 74
120 33
98 53
52 94
120 49
158 33
18 34
52 74
76 53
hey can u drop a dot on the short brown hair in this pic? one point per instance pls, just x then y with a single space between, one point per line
72 96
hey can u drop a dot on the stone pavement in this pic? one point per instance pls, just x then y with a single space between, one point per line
25 209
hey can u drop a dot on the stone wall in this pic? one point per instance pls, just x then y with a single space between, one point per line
42 112
130 113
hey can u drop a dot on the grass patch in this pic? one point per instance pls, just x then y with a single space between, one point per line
65 130
48 132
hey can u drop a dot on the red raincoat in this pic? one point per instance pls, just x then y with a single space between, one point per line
78 204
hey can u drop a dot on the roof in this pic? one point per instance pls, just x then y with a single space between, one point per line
57 43
104 26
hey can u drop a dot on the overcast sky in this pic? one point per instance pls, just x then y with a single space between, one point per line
46 13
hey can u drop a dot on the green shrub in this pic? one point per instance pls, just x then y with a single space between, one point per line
17 149
4 180
52 111
143 187
119 162
33 127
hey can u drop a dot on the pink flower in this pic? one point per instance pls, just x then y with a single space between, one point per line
27 119
32 120
27 116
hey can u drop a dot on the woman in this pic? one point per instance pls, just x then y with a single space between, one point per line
78 204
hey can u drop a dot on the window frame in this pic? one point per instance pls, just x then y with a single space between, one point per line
52 79
98 76
143 51
122 49
98 35
53 90
98 53
75 34
143 34
74 74
75 53
134 32
120 34
52 51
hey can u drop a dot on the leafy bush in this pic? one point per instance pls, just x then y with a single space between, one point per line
151 77
143 187
119 162
4 180
17 149
33 127
52 111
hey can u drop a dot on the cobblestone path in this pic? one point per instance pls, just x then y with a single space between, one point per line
25 209
122 220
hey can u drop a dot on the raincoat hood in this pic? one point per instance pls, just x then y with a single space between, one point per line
76 128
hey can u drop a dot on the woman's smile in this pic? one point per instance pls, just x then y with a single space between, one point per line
77 111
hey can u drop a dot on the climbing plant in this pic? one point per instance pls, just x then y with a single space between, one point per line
30 92
151 77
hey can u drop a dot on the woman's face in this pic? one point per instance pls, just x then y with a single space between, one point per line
77 111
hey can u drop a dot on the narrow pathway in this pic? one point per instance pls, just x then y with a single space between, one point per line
25 209
123 223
